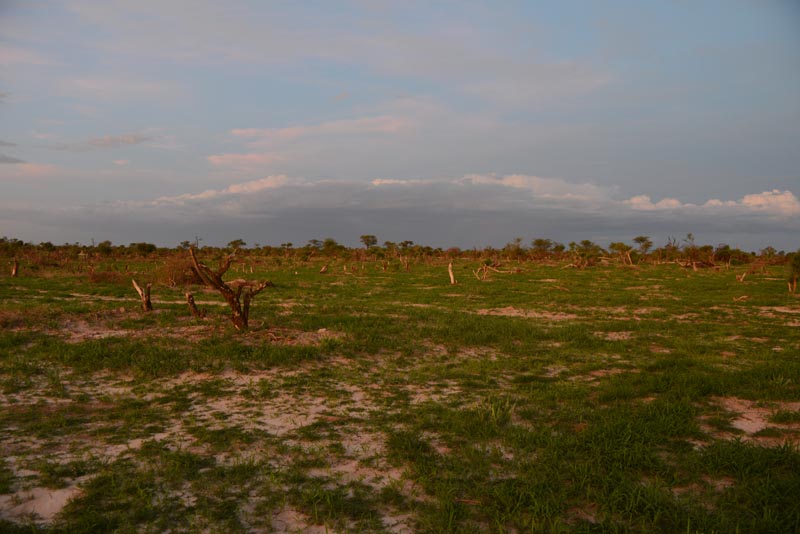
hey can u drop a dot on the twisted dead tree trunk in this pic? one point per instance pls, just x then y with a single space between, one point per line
237 293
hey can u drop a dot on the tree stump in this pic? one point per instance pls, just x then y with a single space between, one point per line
144 295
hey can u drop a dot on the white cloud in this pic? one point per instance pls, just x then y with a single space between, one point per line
772 203
643 203
254 186
482 192
775 201
379 182
549 188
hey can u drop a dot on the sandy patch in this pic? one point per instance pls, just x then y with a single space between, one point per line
751 417
614 336
41 504
288 520
511 311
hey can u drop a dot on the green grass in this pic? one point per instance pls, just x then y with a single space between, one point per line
550 400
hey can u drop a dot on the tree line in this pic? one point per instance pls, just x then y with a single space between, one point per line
582 253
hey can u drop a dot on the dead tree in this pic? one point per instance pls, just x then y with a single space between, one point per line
144 295
14 268
193 307
237 293
450 272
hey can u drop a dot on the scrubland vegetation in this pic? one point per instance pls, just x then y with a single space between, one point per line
552 388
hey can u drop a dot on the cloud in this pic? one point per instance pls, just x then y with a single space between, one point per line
105 142
254 186
545 188
10 160
121 162
775 203
6 143
485 193
473 210
378 182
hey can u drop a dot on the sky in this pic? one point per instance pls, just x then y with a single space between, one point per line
446 123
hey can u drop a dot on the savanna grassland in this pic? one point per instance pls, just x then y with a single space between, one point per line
371 398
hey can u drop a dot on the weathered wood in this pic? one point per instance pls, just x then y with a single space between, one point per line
450 272
193 307
14 268
144 295
232 295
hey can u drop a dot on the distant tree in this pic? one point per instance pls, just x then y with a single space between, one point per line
369 240
768 252
514 250
622 250
723 253
313 243
644 243
331 247
237 244
690 248
143 249
185 245
105 248
541 247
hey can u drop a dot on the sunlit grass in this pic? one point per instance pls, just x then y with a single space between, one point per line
546 400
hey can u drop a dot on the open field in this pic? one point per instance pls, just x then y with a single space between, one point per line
609 399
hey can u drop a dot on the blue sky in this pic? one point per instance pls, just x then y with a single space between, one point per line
446 123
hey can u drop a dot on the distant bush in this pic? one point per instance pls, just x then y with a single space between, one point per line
107 277
177 271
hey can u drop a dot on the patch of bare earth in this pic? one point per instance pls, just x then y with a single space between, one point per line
283 416
511 311
597 374
288 520
80 330
750 418
38 504
615 336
